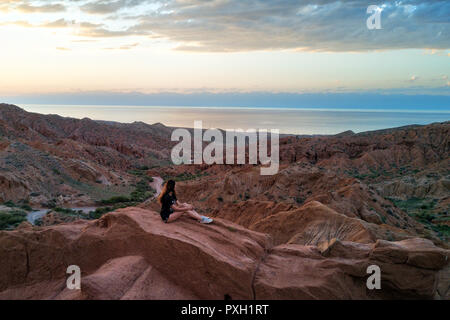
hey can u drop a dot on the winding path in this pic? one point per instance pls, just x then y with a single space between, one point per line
157 184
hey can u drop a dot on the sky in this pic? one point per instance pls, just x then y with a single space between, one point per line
84 51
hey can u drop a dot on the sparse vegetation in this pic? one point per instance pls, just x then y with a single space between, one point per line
137 172
97 213
114 200
423 210
13 214
186 176
12 218
142 191
10 204
26 207
68 211
23 204
375 174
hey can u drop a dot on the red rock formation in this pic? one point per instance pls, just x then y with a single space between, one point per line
303 272
309 231
132 254
53 155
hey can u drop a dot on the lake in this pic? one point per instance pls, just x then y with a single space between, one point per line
287 120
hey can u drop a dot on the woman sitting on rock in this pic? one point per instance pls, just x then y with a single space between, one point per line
172 209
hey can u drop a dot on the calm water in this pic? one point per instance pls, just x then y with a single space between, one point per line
296 121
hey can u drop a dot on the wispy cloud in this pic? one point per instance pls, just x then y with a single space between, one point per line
123 47
109 6
236 25
42 8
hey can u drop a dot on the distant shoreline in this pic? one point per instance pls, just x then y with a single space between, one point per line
337 109
289 121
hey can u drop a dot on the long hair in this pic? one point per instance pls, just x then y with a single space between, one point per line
169 186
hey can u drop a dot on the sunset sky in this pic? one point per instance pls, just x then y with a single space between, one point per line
84 47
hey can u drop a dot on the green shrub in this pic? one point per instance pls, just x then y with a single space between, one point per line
99 212
10 204
116 199
186 176
65 210
11 219
26 207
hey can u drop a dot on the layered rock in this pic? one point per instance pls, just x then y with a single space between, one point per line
132 254
409 269
209 262
77 159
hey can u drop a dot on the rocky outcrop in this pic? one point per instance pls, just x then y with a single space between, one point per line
209 261
310 231
421 187
49 160
313 224
132 254
76 159
409 269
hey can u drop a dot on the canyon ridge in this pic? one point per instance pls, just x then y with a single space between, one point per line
337 205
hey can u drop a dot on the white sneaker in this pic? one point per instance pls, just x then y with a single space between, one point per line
206 220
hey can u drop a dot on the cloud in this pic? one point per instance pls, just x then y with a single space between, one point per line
31 6
124 47
236 25
108 6
25 24
44 8
439 52
324 25
86 29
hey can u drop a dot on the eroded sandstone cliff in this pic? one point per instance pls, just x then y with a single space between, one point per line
132 254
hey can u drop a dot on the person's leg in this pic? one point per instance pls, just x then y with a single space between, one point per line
174 216
194 214
185 204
